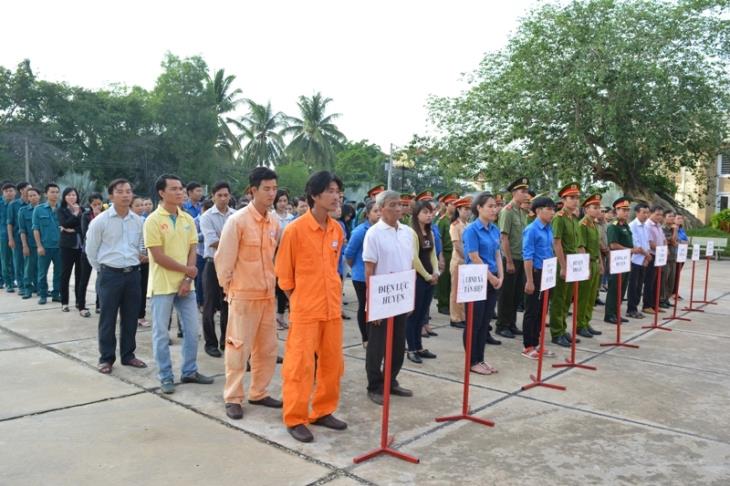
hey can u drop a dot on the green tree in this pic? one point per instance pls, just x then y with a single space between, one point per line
360 163
261 131
226 100
315 137
597 90
293 177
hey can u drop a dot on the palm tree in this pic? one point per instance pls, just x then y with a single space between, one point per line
314 137
225 101
262 130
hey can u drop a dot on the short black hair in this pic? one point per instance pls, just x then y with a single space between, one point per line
542 202
480 201
259 175
67 191
95 196
8 185
669 211
656 208
207 204
220 185
50 185
192 185
117 182
161 182
640 206
34 189
319 182
22 185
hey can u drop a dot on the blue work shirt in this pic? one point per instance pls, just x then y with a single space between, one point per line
193 210
25 223
437 242
46 222
12 214
682 235
3 218
353 251
483 240
341 262
537 243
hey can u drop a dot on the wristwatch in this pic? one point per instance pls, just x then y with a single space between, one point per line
187 279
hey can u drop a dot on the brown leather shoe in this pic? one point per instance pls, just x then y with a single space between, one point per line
234 411
267 402
301 433
330 422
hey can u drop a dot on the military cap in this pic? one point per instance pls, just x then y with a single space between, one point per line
622 202
425 196
592 199
464 202
376 190
572 189
519 183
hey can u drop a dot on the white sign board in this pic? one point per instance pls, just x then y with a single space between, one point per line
578 267
472 284
709 251
549 273
682 249
660 258
620 261
696 252
391 294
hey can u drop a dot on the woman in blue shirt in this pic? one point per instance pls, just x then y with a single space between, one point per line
353 256
481 246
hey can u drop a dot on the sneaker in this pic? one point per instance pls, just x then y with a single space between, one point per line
168 387
647 310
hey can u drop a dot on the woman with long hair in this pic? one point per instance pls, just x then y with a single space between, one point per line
426 264
69 219
481 246
353 256
281 201
458 224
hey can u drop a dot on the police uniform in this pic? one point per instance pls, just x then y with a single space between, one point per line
443 289
588 289
566 229
617 232
406 200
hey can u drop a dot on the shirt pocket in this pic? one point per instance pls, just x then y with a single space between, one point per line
251 248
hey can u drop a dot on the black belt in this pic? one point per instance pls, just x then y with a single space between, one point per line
209 259
135 268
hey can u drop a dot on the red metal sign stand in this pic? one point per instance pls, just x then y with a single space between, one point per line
385 440
656 324
570 363
465 415
707 278
618 318
692 292
674 316
537 380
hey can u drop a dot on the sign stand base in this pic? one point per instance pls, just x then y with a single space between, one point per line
537 380
656 324
674 316
570 363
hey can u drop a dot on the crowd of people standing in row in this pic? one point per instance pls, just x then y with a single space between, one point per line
272 254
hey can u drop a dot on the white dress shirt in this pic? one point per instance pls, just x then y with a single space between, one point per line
114 241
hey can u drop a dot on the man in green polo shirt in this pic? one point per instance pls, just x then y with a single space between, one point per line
47 234
566 241
618 235
588 289
27 242
512 222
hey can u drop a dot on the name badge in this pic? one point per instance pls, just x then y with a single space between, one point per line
335 243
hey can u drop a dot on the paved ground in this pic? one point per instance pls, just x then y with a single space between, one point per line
656 415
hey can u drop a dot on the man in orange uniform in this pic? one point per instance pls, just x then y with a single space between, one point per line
306 267
244 263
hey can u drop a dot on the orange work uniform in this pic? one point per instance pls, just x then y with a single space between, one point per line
244 263
306 265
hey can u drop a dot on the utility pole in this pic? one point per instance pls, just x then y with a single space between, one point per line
27 162
390 168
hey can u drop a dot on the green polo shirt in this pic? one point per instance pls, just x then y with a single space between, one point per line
591 237
46 222
619 233
566 228
512 222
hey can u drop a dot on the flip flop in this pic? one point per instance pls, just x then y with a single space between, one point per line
135 363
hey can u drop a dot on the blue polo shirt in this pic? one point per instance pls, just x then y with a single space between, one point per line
193 210
12 214
25 223
437 242
537 243
46 222
353 251
483 240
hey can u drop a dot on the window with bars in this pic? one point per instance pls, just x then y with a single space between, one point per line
725 164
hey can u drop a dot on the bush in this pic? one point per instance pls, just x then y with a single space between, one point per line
721 220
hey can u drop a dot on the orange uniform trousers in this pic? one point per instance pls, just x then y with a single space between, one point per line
323 338
251 333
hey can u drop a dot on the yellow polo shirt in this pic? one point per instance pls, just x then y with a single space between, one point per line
175 235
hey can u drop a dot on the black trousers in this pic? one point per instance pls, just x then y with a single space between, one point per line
144 274
70 261
636 284
281 300
213 302
483 313
119 295
361 292
510 296
86 270
650 285
533 312
376 352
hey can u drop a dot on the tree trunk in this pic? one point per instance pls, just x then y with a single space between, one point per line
664 200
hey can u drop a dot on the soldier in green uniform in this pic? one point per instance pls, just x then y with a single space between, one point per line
619 237
443 289
588 289
406 203
566 241
27 242
512 222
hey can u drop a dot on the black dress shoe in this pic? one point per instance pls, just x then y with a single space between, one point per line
561 341
506 333
399 391
594 331
515 330
458 325
267 402
301 433
569 337
198 378
376 398
600 302
234 411
444 311
611 320
213 351
491 340
623 319
330 422
426 354
431 333
413 356
279 360
585 333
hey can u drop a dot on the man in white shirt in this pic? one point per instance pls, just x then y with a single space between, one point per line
639 260
113 248
211 225
387 248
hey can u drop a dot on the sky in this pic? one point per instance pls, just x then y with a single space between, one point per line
379 61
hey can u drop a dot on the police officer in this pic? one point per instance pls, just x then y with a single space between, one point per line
588 289
619 237
443 289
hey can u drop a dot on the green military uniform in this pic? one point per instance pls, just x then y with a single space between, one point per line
443 288
588 289
46 222
30 264
566 228
18 260
617 233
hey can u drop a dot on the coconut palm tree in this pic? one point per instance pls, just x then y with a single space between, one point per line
261 139
225 101
314 136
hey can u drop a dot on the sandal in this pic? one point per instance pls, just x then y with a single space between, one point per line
135 363
480 369
84 313
489 367
281 325
104 368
